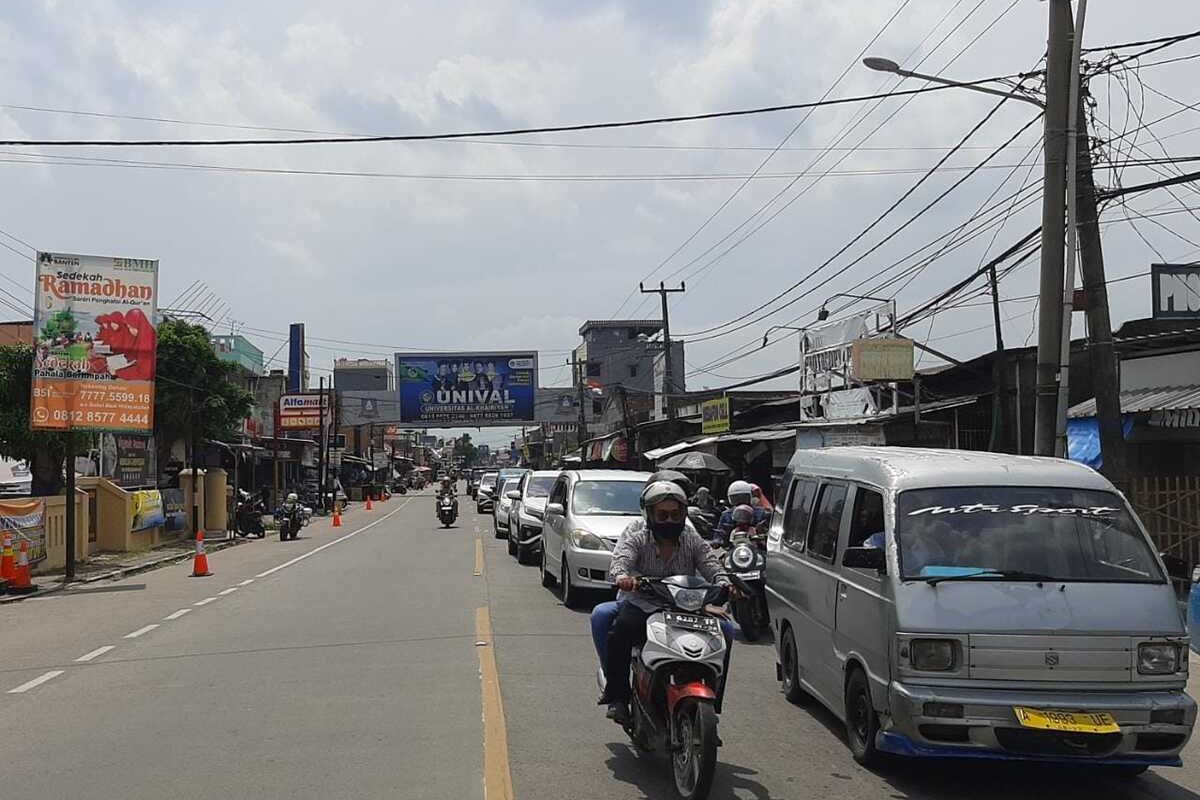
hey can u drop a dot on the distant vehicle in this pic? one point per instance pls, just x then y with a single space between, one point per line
502 505
525 514
586 513
485 493
952 604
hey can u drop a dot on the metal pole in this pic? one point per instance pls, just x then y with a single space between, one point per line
998 393
275 458
668 366
195 470
321 445
70 492
1017 405
1068 297
1058 61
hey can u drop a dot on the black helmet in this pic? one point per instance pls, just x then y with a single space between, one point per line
677 478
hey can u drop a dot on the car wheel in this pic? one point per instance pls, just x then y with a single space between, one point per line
548 580
496 529
570 595
861 721
790 668
512 543
524 551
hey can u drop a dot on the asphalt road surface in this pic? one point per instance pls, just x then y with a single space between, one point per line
391 658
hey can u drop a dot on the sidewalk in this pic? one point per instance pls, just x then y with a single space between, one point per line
114 566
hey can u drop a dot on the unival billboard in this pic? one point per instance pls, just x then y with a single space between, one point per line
472 389
94 343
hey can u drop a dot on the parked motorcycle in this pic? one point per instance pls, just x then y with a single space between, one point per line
447 513
746 557
247 515
678 680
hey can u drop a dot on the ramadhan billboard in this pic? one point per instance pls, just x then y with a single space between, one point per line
472 389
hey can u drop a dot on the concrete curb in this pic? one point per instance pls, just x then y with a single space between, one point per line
117 574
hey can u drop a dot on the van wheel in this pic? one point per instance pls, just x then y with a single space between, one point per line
791 668
512 543
861 721
548 579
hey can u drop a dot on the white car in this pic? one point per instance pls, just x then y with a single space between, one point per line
587 511
502 505
485 495
525 514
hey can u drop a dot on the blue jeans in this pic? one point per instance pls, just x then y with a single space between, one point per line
602 619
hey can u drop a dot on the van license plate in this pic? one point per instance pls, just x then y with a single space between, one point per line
1066 721
691 622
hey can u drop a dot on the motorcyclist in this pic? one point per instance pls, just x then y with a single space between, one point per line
446 490
659 545
740 493
743 522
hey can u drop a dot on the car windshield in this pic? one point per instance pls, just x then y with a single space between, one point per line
983 533
510 485
607 498
540 487
487 480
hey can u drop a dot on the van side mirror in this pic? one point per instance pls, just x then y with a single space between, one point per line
865 558
513 495
556 508
1177 568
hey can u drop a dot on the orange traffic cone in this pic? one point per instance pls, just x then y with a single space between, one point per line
337 515
21 583
7 562
369 506
200 563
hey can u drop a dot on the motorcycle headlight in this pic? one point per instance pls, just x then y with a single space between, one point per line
742 556
1158 659
586 540
689 599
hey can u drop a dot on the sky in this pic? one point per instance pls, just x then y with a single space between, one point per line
513 243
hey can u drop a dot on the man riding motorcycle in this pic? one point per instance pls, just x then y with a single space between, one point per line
740 493
446 490
659 547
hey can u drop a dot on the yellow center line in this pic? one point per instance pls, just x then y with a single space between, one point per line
478 557
497 779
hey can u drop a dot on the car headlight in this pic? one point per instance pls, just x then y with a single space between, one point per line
742 556
586 540
933 655
1158 659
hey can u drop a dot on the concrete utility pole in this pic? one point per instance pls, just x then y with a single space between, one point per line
668 368
321 446
1058 89
580 374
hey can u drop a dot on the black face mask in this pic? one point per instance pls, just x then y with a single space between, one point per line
667 531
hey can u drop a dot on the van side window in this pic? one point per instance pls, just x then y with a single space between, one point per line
867 521
799 511
559 493
822 536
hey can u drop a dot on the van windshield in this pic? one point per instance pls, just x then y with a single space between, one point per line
988 532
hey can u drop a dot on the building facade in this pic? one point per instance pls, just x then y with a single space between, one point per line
621 366
363 375
237 349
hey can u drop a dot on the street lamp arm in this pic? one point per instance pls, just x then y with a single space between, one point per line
886 65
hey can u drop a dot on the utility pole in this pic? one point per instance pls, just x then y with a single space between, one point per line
321 446
195 470
1058 89
580 371
668 368
999 395
1095 290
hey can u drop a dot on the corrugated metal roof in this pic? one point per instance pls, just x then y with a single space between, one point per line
1154 398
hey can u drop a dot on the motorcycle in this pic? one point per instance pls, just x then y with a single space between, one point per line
746 558
678 680
702 521
247 515
291 520
447 513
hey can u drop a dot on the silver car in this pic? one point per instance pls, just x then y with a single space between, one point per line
502 505
525 514
585 515
948 604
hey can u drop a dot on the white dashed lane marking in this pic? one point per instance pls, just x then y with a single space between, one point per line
99 651
224 592
246 582
38 681
204 602
177 614
141 631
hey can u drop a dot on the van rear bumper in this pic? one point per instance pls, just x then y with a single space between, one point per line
923 722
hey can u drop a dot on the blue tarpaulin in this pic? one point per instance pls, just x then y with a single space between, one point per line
1083 439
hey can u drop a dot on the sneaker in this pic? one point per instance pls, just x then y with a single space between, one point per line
618 712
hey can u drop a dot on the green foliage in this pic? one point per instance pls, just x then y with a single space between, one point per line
43 450
62 323
465 449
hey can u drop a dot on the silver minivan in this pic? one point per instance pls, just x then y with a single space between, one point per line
946 603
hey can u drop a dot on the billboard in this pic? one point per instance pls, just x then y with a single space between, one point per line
714 415
94 343
297 359
128 459
881 360
302 411
473 389
1176 290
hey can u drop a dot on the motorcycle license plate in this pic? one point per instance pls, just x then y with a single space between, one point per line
749 576
692 622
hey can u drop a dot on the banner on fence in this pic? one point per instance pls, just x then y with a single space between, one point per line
26 519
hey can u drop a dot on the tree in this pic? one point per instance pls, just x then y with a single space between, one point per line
195 391
465 449
43 450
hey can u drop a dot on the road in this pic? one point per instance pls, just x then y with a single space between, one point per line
372 661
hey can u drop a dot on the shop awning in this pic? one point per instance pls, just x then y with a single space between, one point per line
758 436
678 447
1148 400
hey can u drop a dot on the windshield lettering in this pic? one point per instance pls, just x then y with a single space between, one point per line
1027 509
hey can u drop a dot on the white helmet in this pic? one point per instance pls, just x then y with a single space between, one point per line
739 489
292 497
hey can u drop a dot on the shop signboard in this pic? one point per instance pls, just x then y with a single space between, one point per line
94 343
302 411
475 389
146 510
881 360
827 350
1176 290
26 521
129 459
173 510
714 415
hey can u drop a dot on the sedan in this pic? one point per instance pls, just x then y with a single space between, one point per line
586 514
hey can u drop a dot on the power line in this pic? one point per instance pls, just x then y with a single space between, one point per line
421 137
1183 37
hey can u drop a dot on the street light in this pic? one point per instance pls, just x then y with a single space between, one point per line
773 328
823 313
887 65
